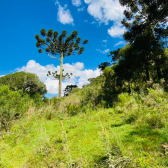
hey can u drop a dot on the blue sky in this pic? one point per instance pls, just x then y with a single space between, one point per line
95 20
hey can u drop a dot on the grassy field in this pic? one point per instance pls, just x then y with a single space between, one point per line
93 139
134 133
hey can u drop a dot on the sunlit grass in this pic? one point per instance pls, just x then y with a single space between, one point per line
131 134
39 142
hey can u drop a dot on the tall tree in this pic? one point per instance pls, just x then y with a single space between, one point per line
144 20
61 45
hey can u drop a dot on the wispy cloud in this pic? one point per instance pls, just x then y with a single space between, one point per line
119 43
81 9
105 41
76 3
93 22
104 45
103 51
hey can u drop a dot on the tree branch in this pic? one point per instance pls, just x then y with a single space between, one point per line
53 57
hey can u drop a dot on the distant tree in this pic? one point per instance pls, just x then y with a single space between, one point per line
61 45
69 89
25 81
103 65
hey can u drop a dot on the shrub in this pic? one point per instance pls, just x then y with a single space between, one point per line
13 105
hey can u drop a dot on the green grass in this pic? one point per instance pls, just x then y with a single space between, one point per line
130 134
85 140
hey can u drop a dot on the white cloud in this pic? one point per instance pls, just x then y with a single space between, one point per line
116 30
86 21
119 43
1 75
103 51
105 10
64 15
80 75
76 2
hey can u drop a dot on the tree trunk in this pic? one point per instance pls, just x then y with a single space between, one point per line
60 79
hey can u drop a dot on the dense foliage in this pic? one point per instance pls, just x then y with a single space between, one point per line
25 81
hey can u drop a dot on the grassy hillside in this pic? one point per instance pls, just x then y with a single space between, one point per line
134 133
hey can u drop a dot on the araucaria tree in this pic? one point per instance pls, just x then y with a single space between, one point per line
144 57
61 45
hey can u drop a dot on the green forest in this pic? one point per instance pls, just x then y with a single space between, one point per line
118 120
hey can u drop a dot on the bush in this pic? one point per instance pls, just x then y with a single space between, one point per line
13 105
